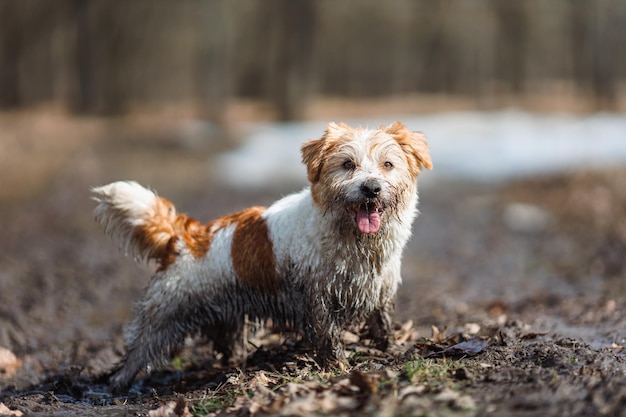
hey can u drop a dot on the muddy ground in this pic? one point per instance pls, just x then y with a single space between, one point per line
513 300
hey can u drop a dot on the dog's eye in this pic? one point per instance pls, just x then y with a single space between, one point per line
388 165
349 165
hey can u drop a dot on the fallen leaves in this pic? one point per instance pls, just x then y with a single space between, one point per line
370 382
377 386
461 350
454 345
615 348
176 408
364 382
405 332
346 393
9 363
358 392
362 389
5 411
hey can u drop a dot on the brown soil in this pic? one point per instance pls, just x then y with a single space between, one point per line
516 292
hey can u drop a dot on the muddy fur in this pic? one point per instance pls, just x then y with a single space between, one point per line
315 262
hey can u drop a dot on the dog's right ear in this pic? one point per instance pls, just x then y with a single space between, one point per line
312 158
313 151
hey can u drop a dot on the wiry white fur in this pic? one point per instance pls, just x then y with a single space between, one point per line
346 274
293 225
122 207
217 263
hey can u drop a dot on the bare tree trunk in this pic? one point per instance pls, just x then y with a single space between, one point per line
595 52
436 73
212 70
292 25
10 51
605 56
84 100
511 42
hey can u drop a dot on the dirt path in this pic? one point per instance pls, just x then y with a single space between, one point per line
524 284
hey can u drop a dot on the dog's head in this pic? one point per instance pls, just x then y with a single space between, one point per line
365 174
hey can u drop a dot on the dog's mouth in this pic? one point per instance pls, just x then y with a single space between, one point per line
367 217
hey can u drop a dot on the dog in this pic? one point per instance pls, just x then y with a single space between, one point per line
316 261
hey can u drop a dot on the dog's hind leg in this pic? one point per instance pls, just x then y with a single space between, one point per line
150 339
168 312
227 339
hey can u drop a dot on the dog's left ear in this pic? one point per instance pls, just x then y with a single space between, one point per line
413 144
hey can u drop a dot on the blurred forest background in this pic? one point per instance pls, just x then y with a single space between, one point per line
109 57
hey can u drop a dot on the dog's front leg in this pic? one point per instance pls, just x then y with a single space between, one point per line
379 325
325 335
330 349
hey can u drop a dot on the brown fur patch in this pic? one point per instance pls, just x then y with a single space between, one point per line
313 151
195 234
315 154
252 250
159 235
154 235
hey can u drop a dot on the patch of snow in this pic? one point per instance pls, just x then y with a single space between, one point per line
473 146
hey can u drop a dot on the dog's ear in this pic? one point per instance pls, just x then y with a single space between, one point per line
313 151
312 157
413 144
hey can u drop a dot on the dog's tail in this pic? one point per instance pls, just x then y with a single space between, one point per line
140 222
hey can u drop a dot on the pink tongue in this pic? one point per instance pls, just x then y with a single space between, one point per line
368 222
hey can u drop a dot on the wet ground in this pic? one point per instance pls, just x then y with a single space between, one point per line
513 300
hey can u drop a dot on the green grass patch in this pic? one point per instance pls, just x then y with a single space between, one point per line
432 372
214 401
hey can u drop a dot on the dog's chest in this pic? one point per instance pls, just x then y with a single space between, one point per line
350 282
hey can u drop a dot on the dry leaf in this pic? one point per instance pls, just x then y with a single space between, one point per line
438 335
9 363
301 406
411 390
461 350
455 399
261 378
234 378
532 335
472 328
446 396
5 411
405 332
328 402
363 382
176 408
293 390
349 337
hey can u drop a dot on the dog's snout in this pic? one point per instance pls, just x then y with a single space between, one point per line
370 188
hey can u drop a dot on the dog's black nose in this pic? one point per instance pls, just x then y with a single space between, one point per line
370 188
